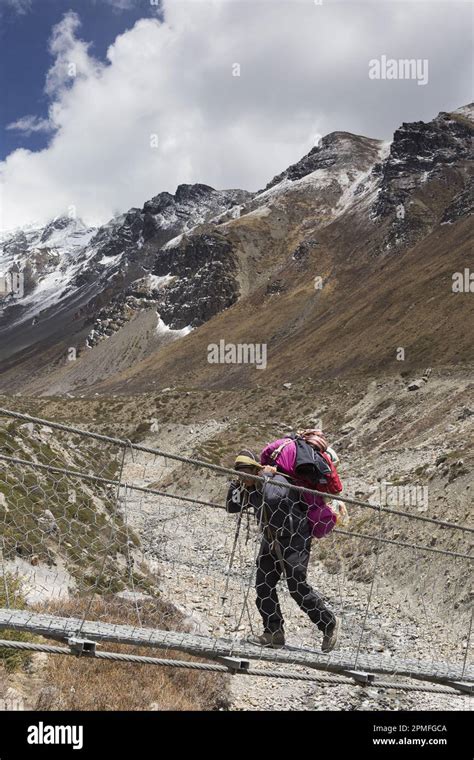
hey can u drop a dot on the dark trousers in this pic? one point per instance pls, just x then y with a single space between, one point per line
292 559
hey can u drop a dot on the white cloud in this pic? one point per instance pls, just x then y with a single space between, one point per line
30 124
72 59
20 6
303 72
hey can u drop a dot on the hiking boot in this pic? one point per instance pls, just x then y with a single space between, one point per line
331 636
273 639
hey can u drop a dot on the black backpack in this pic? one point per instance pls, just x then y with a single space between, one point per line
309 464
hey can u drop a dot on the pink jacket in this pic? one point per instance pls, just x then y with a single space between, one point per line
321 517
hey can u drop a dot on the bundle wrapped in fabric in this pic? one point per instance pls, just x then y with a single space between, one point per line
305 459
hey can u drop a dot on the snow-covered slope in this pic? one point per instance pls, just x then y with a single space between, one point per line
72 275
48 259
336 174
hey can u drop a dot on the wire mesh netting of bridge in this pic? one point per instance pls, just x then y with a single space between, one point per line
104 540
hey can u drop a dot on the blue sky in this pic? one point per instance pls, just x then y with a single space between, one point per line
25 28
223 92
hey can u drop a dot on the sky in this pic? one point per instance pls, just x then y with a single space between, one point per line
105 103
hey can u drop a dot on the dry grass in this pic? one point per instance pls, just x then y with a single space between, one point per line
87 684
3 682
11 595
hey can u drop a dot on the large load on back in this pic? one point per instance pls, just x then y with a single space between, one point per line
306 458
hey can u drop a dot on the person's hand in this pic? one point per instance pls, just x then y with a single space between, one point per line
342 515
268 469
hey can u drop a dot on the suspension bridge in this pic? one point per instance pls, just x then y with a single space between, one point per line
93 527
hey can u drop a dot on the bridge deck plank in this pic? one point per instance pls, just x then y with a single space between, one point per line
60 628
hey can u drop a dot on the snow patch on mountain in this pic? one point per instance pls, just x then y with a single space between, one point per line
157 282
365 186
163 329
173 243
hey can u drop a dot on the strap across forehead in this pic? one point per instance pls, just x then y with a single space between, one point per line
247 461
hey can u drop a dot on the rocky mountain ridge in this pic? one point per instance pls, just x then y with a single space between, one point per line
201 254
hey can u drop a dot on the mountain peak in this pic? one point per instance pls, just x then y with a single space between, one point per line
336 150
467 111
59 224
192 192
